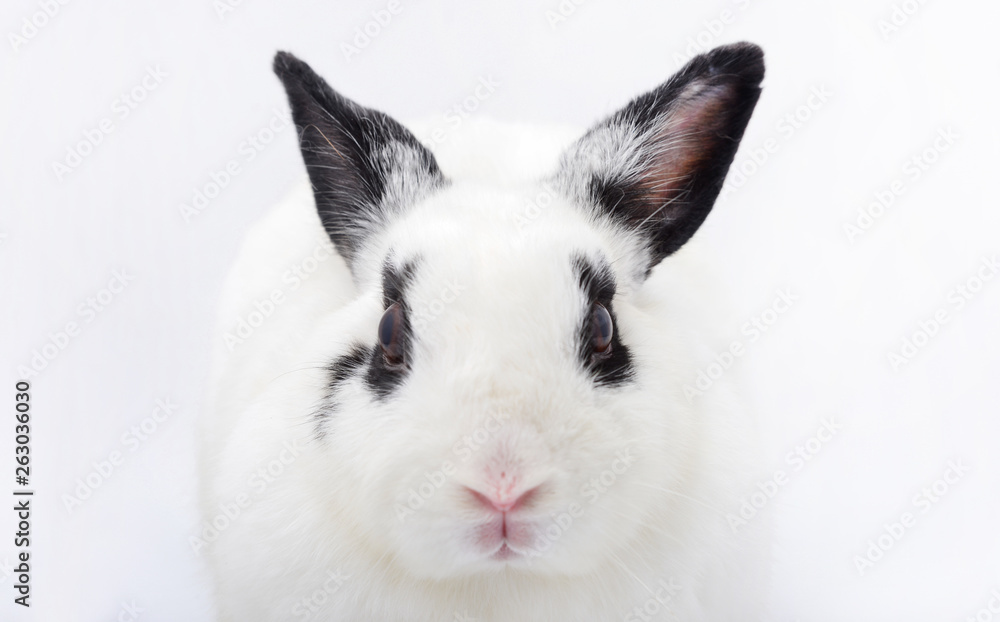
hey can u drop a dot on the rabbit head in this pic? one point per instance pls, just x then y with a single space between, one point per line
510 396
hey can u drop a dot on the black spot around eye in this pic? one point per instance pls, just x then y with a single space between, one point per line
372 363
610 363
389 360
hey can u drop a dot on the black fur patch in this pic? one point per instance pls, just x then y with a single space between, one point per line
383 378
345 366
340 370
598 284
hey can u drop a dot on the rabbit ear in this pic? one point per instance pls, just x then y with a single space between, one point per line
364 166
657 165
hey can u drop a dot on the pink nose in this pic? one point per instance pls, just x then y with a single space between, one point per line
503 500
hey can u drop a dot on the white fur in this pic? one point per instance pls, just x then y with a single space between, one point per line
502 348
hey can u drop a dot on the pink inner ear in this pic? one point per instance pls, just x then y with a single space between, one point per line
685 138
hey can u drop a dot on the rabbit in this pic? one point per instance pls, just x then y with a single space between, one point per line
452 385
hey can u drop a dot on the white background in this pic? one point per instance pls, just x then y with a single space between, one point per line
890 93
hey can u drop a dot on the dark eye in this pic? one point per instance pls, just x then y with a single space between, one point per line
603 329
390 334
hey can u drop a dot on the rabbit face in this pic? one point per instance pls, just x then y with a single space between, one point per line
501 366
508 399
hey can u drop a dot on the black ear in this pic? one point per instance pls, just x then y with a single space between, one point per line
657 165
364 166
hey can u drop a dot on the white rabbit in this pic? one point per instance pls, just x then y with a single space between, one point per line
471 406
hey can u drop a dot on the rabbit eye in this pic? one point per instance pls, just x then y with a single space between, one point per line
603 329
390 334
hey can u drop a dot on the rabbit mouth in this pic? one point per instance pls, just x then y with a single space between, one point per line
504 553
505 540
507 553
